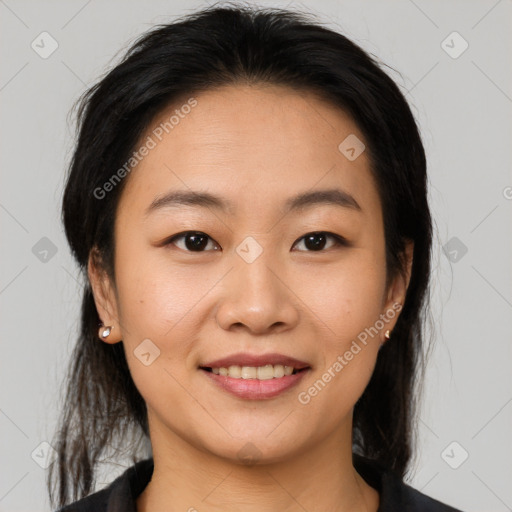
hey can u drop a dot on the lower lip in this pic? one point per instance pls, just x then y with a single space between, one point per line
254 389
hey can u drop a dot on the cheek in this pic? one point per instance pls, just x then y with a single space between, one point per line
161 304
155 296
345 297
346 309
168 305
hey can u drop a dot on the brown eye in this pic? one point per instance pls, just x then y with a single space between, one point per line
315 242
193 241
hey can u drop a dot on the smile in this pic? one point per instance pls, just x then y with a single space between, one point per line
267 372
248 386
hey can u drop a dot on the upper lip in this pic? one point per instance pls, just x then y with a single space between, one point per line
244 359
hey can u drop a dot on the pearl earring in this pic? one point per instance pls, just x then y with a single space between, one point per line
105 331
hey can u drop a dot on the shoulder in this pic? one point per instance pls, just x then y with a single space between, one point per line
409 499
120 495
97 502
394 493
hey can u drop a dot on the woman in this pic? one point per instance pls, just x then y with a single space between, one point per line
248 202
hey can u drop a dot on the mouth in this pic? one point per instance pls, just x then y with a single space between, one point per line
252 366
249 387
255 377
266 372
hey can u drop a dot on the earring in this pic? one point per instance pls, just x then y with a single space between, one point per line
105 331
387 334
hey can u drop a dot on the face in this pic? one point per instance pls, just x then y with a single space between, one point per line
265 274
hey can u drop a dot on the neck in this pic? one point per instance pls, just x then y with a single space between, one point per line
320 478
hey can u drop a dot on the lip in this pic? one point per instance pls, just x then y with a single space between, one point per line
245 359
254 389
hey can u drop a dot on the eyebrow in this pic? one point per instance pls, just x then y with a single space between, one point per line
299 202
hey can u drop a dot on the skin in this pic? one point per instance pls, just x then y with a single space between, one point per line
257 146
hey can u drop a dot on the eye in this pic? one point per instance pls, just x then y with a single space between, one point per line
197 241
194 241
316 241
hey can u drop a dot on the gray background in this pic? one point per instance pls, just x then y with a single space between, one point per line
463 106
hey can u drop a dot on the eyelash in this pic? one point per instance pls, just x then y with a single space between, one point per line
338 240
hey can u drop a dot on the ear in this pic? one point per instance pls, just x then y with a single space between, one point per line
104 297
397 290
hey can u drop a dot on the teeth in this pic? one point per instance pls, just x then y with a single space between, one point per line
255 372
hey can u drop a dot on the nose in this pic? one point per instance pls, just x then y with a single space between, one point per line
257 297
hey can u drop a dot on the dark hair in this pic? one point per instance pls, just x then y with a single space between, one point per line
210 48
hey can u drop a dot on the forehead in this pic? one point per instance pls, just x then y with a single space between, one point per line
254 145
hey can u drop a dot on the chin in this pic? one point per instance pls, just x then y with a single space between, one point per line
256 448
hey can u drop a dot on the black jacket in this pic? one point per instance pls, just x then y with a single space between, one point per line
395 495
